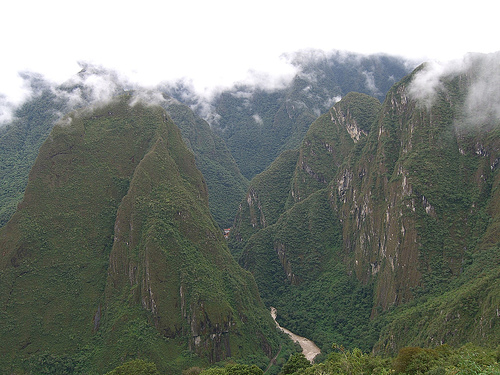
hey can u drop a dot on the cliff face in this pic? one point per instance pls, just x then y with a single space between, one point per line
114 236
412 206
373 196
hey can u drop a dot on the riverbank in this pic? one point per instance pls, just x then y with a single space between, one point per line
309 348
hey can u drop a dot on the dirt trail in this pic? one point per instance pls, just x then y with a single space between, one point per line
309 348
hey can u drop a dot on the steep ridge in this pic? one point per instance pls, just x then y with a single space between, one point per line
295 174
414 204
395 230
329 141
113 254
296 258
21 138
226 184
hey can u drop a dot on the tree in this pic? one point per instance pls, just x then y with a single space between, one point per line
295 363
135 367
233 369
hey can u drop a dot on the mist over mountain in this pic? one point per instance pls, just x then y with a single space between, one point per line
93 87
363 195
259 119
384 224
256 119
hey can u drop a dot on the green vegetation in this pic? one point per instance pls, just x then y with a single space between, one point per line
233 369
135 367
19 144
382 243
444 359
113 255
330 140
265 201
257 125
290 238
380 233
296 363
312 291
226 185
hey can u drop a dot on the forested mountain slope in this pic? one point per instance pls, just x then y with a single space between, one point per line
21 138
296 256
403 220
113 254
20 141
259 123
226 184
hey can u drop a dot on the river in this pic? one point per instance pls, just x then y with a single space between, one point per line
309 348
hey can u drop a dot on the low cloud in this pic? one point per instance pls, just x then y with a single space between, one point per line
429 81
370 83
7 108
481 72
258 119
483 99
31 85
331 101
148 97
92 86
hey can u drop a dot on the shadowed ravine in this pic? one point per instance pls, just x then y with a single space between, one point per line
309 348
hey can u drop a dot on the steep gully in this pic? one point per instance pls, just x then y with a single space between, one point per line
309 348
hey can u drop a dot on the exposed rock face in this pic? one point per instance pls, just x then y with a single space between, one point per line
376 210
414 180
329 141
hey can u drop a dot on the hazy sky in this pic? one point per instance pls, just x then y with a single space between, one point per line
217 42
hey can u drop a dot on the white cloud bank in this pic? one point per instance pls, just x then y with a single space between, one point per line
217 43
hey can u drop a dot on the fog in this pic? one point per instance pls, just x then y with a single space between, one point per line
482 73
213 45
94 84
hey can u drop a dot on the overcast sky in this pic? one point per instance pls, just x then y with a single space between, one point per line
217 42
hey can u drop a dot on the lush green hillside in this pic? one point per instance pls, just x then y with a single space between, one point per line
395 232
113 254
265 201
19 144
21 138
381 231
226 185
296 257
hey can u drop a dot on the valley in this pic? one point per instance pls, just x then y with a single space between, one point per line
309 348
363 200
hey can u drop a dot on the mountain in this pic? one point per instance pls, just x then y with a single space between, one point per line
290 238
249 126
113 254
21 139
226 184
258 122
389 236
